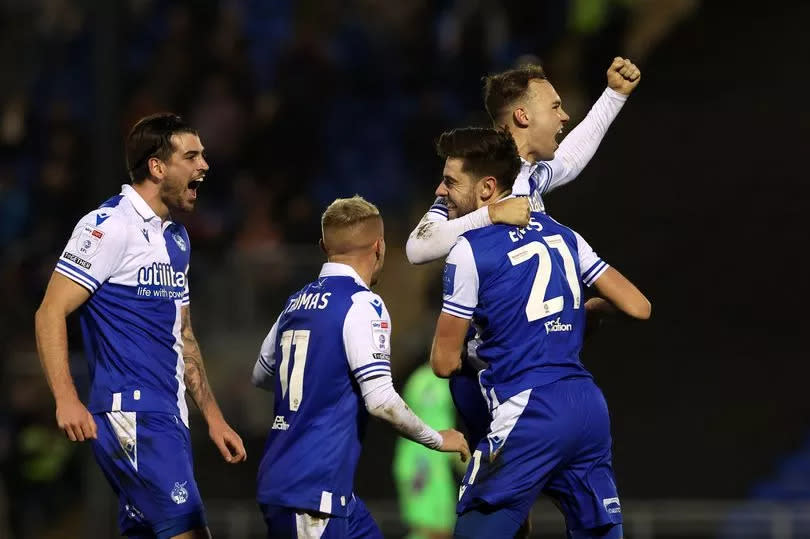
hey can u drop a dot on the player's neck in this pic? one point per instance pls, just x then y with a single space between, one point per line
151 195
363 267
524 149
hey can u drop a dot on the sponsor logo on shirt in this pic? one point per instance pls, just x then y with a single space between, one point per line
161 281
280 423
448 279
76 260
88 241
381 334
555 325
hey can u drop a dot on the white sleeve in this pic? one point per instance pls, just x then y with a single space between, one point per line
94 250
265 368
460 281
435 235
591 266
367 341
577 149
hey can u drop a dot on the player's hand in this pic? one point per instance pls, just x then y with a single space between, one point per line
453 442
623 76
512 211
73 417
228 442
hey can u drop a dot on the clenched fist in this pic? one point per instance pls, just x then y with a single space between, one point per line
512 211
623 76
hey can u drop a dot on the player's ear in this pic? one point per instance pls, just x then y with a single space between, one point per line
379 247
520 117
322 245
156 168
486 187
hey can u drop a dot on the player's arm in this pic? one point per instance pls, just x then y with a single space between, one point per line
622 294
227 441
617 292
435 234
62 297
264 371
448 342
90 256
460 292
366 339
577 149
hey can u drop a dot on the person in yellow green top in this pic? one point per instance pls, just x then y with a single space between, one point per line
427 489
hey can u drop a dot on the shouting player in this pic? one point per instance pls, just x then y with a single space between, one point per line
125 268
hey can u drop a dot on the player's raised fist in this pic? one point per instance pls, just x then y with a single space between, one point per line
512 211
623 76
453 442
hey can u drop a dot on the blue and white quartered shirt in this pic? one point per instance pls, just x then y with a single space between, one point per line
522 289
330 346
135 267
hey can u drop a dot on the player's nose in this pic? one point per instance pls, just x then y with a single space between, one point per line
564 116
441 190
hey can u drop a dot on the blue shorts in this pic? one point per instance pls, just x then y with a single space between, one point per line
553 439
146 457
470 403
289 523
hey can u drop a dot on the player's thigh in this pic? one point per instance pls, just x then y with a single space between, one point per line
585 487
470 404
512 463
146 457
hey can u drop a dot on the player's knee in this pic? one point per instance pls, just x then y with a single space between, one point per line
611 531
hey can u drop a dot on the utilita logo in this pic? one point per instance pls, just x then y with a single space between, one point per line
556 325
161 275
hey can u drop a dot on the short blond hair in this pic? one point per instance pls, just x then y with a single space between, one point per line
350 225
347 212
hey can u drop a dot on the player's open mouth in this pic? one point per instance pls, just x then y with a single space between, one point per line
194 184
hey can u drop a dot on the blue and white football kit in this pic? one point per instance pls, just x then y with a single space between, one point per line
326 358
135 267
550 430
435 235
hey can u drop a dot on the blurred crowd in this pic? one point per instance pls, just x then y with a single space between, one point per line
296 102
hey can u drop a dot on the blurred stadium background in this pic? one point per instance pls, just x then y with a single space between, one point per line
698 194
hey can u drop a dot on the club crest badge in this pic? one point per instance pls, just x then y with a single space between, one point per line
178 239
179 493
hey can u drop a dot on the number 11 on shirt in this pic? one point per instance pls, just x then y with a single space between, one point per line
300 339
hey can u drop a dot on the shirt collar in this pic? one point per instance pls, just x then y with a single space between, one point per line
138 202
336 269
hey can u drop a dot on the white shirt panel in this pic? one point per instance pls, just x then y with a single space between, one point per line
591 266
460 286
265 368
95 249
367 341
